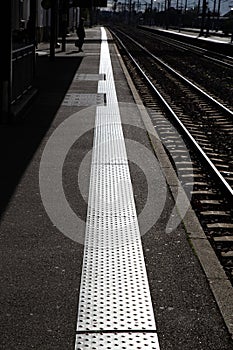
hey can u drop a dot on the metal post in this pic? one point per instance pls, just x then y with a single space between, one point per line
64 23
6 64
33 11
166 14
198 7
214 8
53 29
231 16
218 14
177 15
208 24
203 18
151 10
32 20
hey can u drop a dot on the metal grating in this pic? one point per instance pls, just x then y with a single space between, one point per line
84 100
90 77
114 289
117 341
115 309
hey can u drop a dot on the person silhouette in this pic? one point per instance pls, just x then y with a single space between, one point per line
81 34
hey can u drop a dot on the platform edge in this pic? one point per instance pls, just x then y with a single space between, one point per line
216 276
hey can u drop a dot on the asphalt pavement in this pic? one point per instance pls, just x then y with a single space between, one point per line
41 266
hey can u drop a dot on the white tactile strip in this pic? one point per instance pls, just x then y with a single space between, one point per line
115 308
117 341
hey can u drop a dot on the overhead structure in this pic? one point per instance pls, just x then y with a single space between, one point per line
89 3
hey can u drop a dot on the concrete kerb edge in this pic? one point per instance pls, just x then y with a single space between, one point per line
217 279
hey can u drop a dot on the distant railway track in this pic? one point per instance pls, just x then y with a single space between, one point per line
211 71
224 61
207 127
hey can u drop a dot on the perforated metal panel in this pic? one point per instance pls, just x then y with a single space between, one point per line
85 100
114 283
117 341
115 309
91 77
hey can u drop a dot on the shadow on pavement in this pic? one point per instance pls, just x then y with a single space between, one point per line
20 140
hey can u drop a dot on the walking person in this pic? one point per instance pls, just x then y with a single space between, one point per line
81 34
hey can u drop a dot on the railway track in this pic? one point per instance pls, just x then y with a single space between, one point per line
206 170
211 72
217 58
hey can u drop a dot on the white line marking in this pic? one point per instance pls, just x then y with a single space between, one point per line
114 293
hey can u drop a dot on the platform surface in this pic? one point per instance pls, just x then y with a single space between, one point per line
212 36
87 257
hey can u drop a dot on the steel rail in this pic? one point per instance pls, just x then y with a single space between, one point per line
195 87
198 50
224 184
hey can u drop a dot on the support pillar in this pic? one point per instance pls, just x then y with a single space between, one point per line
53 29
6 64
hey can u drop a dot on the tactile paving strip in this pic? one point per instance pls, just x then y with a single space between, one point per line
117 341
84 100
90 77
115 308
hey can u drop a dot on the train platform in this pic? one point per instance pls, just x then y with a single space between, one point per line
212 41
100 248
212 36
